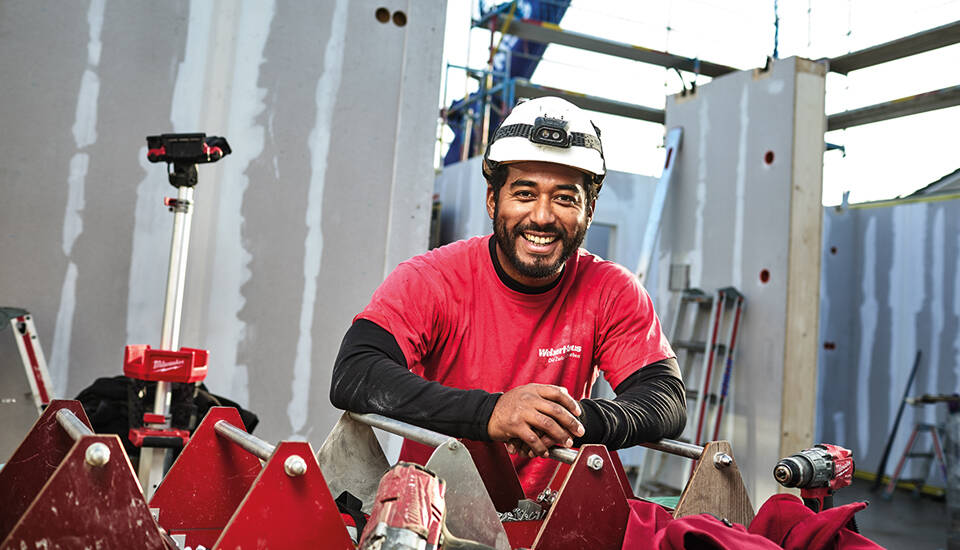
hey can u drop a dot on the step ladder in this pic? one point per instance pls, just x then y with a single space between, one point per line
909 453
703 333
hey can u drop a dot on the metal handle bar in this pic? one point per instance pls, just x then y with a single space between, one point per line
74 427
254 445
434 439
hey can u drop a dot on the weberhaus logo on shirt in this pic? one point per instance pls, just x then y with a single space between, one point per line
560 353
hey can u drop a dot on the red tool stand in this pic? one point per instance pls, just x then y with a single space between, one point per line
66 487
217 493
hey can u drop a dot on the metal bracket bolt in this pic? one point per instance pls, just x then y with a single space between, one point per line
722 460
595 462
294 466
453 444
97 454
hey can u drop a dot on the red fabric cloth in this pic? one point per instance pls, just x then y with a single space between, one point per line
650 526
705 532
782 522
785 520
458 324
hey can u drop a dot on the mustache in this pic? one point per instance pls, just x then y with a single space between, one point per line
550 229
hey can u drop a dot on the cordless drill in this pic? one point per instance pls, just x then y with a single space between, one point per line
409 513
818 472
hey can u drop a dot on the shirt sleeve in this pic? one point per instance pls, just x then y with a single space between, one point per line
629 331
369 377
408 306
650 405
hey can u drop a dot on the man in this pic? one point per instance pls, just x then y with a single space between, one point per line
501 337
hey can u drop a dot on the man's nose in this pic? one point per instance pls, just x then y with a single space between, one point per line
543 212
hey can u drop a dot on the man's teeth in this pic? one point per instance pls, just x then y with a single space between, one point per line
539 240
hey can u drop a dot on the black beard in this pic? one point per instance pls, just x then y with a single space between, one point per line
540 268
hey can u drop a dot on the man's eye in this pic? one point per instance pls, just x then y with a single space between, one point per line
567 198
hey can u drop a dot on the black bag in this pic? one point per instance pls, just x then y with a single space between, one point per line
114 405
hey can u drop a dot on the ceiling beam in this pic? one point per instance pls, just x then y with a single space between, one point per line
920 42
524 88
549 33
920 103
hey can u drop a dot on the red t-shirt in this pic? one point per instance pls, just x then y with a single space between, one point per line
458 324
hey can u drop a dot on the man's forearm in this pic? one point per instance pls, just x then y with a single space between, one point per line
650 405
370 376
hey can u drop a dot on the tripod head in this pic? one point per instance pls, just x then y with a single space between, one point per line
182 153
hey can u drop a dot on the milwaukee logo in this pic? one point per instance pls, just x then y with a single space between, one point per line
164 366
559 353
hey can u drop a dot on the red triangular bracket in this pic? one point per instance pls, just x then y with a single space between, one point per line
287 511
35 460
206 484
84 505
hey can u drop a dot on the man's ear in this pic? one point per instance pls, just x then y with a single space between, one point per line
593 204
491 202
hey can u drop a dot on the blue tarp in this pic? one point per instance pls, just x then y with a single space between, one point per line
522 60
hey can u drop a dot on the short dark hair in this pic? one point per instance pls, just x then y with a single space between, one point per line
497 178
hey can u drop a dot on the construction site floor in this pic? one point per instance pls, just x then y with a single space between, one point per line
904 521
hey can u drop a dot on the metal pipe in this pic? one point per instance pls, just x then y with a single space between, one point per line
74 427
678 448
409 431
561 454
254 445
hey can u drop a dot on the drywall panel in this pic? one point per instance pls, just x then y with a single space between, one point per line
890 288
747 185
331 115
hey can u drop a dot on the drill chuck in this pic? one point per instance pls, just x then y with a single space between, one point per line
827 466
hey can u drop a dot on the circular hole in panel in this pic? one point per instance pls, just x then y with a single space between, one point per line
399 18
768 157
833 250
382 15
764 275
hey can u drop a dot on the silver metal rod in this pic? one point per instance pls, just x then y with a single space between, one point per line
179 247
74 427
673 447
254 445
562 454
409 431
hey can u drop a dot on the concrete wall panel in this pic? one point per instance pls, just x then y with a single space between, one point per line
331 115
729 218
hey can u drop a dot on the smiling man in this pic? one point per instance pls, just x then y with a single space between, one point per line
501 337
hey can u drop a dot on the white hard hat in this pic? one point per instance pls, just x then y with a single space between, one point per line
548 129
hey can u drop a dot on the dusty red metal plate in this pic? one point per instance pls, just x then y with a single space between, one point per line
208 481
522 533
84 506
497 471
591 509
34 461
621 474
283 511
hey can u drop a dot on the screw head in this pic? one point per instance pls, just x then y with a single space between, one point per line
453 444
295 466
97 454
594 462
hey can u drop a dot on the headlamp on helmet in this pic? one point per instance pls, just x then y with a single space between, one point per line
550 131
547 129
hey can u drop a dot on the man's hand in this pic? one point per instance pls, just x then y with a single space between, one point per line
535 416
